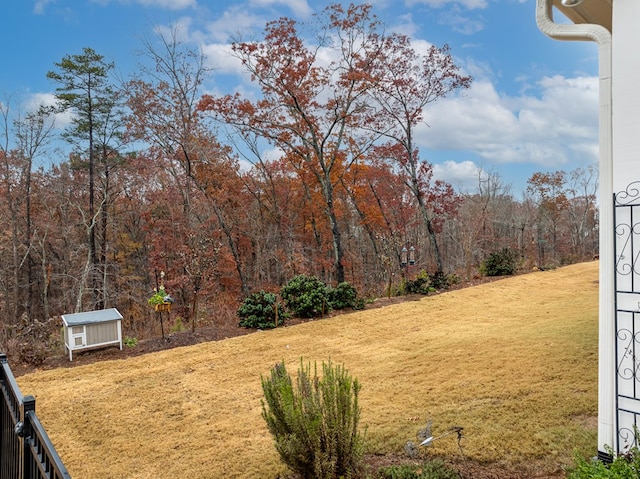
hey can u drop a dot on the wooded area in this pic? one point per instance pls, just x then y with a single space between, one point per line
154 182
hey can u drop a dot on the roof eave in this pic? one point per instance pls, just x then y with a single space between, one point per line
598 12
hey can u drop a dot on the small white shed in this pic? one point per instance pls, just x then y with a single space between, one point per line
92 329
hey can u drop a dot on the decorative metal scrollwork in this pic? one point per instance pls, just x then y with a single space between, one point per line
627 230
627 438
628 364
630 196
627 260
627 290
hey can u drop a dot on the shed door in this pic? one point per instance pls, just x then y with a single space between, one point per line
78 337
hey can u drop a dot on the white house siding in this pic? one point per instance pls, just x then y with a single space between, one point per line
626 93
626 171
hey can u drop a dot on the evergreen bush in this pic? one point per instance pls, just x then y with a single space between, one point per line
440 280
306 296
425 283
500 263
259 311
359 303
315 423
420 285
342 296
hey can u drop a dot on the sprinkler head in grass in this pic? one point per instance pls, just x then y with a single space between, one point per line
452 430
425 432
411 450
427 441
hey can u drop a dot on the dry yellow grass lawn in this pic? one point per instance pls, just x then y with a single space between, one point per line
514 362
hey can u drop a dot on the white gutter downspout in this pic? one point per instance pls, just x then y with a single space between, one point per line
606 342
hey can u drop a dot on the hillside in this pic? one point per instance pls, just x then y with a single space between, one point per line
513 361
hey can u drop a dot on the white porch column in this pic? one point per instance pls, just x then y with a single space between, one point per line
606 339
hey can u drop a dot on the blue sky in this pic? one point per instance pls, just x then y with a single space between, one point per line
533 105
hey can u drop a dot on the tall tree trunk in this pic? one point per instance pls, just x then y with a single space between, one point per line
336 234
338 252
27 243
104 227
46 275
427 222
82 284
93 254
234 249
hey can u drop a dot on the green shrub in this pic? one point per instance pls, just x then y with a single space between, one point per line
500 263
452 279
130 342
259 311
420 285
342 296
435 469
426 283
624 466
440 280
315 424
306 296
177 325
360 303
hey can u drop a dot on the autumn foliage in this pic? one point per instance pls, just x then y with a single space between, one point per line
155 181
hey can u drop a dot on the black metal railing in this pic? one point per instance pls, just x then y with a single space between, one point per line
25 449
626 220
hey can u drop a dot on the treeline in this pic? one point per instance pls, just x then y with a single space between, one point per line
154 183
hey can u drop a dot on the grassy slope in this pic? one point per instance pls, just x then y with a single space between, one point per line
513 361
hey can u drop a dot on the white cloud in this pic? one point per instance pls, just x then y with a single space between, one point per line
272 154
220 58
463 176
404 25
421 46
35 100
378 4
470 4
235 23
170 4
40 5
245 165
182 28
165 4
299 7
557 125
461 23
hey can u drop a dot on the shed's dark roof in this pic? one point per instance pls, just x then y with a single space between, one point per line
90 317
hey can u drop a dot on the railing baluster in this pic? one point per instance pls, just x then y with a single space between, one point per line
25 449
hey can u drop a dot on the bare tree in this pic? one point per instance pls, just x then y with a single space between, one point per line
24 139
406 83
